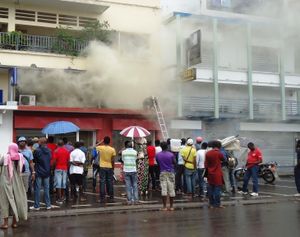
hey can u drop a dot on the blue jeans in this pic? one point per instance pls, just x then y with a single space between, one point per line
190 180
37 190
231 178
201 181
251 172
106 179
214 195
131 186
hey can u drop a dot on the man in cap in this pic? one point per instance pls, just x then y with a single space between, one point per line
29 166
199 140
188 154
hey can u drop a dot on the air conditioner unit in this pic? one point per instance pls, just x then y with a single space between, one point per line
27 100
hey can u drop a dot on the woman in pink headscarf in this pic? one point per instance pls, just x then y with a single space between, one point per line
12 191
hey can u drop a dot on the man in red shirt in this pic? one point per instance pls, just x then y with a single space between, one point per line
52 146
212 164
61 157
152 163
252 165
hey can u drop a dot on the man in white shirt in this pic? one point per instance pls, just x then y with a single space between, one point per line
200 158
77 159
179 177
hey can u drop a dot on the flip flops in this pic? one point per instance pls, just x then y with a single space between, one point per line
4 227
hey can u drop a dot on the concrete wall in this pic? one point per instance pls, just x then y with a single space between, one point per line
6 129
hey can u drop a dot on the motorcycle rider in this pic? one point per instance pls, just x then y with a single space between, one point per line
252 165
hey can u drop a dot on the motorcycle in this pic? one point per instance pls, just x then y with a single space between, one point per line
267 171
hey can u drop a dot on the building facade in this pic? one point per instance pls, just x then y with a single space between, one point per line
241 74
31 49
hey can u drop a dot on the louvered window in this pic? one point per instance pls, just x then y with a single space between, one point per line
67 20
3 12
47 17
85 20
25 15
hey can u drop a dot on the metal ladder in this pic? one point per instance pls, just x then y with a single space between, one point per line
160 118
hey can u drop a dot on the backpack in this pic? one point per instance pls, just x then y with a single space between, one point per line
232 162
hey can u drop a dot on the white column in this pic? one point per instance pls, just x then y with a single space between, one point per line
11 19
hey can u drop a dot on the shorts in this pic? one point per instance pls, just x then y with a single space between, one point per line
167 183
60 179
76 179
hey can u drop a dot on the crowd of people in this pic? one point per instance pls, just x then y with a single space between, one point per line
63 167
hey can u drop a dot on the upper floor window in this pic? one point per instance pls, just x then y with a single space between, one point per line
267 8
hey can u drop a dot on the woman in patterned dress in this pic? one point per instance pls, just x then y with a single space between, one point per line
142 165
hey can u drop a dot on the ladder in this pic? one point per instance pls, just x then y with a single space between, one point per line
160 118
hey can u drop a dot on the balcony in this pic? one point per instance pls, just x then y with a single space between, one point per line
203 107
45 44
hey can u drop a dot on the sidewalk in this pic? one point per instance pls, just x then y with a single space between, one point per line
152 202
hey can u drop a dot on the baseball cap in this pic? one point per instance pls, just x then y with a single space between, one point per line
190 141
199 139
22 139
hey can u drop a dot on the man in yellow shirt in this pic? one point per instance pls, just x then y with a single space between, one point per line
107 155
188 154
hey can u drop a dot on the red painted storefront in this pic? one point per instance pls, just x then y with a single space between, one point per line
103 121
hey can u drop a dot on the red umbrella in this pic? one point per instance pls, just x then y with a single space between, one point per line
135 131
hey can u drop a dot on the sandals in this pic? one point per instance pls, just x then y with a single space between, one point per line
4 227
14 225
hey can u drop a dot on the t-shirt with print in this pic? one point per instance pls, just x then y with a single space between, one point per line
107 155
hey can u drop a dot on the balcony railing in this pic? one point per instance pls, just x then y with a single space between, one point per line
230 108
24 42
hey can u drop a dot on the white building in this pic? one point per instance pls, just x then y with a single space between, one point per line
248 80
35 50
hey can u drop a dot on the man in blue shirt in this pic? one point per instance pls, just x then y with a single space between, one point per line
29 167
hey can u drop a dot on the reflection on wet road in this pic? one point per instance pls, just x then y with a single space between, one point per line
276 219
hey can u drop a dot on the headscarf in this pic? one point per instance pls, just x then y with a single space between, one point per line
13 155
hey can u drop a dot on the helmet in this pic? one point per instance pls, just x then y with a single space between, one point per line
199 139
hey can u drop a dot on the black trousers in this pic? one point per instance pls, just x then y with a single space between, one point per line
297 177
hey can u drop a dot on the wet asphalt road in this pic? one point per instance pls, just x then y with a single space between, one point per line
276 219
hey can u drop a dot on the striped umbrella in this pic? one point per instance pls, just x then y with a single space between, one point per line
135 131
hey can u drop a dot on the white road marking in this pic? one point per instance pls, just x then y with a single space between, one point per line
84 205
44 204
149 202
275 185
278 194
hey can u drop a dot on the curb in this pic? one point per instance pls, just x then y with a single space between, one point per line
140 208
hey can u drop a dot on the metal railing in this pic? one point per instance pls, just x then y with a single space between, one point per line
36 43
204 107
